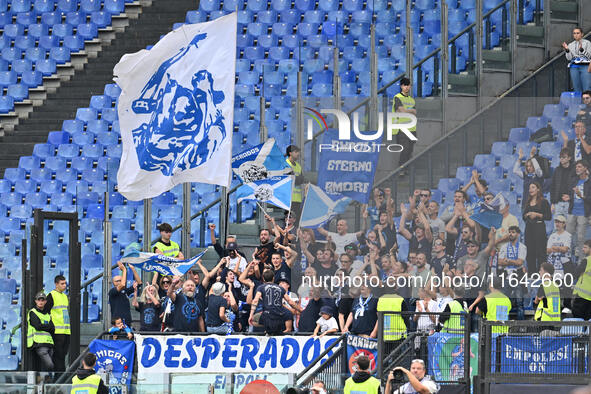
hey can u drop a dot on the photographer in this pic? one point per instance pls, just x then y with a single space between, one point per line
362 381
418 382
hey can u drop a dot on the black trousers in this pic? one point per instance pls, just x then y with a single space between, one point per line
42 358
581 308
61 347
407 147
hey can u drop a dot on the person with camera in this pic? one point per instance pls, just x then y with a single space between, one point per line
418 381
362 381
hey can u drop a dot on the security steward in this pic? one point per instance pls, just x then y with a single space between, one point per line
362 382
39 331
403 102
292 155
495 306
165 245
453 317
57 305
394 323
86 381
581 303
548 297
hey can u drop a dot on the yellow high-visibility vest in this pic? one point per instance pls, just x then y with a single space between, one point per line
34 336
59 313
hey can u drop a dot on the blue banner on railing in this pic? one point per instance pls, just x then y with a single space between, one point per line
447 357
361 346
114 358
539 355
347 168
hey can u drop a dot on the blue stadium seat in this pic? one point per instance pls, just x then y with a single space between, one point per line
58 137
5 186
51 18
550 149
112 90
75 18
269 17
86 114
32 79
35 54
464 174
90 5
447 185
256 5
484 161
18 92
517 135
101 19
500 185
95 211
41 6
502 148
29 162
535 123
21 211
196 16
60 54
570 98
97 126
492 174
561 123
23 43
7 78
9 363
6 104
93 175
68 151
83 138
67 5
74 43
12 199
87 31
245 16
209 5
51 186
43 151
25 186
114 6
15 174
46 66
553 110
41 174
36 200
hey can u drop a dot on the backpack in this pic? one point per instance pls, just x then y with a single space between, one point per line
544 166
544 134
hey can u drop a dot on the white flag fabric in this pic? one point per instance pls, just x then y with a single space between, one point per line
176 110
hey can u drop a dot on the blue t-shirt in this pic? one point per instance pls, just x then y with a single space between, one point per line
149 316
578 205
284 272
272 298
186 314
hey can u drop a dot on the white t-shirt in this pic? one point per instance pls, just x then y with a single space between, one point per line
342 240
426 381
557 259
326 325
424 322
238 263
508 249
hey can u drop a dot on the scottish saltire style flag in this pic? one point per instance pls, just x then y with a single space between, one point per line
159 263
319 208
275 190
488 214
260 162
176 109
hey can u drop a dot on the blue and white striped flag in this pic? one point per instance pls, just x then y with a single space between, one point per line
276 190
260 162
176 109
319 208
488 214
160 263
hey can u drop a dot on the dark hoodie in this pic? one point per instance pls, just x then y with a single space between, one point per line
84 373
362 376
560 183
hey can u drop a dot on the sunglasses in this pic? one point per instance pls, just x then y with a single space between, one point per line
424 195
165 281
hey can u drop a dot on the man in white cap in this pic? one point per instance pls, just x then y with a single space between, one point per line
558 246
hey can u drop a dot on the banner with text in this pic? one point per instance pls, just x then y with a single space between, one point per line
219 354
347 168
361 346
540 355
114 358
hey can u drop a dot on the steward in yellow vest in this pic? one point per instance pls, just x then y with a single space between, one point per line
495 306
86 381
581 303
165 246
57 305
454 315
292 155
403 102
39 330
362 382
548 297
394 325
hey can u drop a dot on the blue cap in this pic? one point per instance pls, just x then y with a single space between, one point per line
326 309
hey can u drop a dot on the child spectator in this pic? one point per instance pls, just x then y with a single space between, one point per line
120 329
326 324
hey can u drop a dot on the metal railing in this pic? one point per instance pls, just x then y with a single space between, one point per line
329 371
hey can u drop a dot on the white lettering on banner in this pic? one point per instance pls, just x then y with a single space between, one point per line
219 354
111 354
340 187
349 165
515 353
251 152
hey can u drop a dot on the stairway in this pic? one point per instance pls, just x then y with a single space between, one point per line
155 20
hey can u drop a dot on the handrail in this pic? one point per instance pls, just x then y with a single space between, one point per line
466 121
74 365
321 356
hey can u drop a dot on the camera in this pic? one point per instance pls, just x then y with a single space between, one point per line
398 376
298 390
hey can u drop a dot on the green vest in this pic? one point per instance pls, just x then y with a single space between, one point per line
34 336
583 286
498 307
88 385
408 103
169 251
455 323
394 326
370 386
59 313
296 194
552 312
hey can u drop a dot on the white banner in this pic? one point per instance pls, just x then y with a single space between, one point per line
176 109
223 354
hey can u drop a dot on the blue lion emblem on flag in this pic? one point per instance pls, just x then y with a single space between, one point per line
186 126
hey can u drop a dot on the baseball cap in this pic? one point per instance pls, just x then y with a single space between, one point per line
232 246
165 227
351 246
40 295
326 309
472 241
284 279
560 218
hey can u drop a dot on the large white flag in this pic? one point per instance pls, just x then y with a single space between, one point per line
176 110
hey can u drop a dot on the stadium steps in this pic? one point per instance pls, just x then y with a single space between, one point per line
155 20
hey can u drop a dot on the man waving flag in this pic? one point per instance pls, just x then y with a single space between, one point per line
176 109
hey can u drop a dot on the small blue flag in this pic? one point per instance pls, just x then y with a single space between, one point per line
260 162
160 263
275 190
319 208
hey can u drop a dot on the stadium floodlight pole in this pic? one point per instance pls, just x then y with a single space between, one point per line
513 40
373 80
299 107
186 228
262 137
444 64
409 43
547 26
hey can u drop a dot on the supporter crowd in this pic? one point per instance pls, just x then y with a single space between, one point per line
319 281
